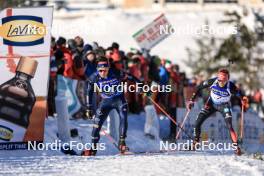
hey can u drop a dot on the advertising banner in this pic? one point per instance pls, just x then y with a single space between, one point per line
24 62
151 35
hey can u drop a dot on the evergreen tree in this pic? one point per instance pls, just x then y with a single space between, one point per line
240 52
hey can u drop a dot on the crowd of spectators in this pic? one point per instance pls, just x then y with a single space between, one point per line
75 59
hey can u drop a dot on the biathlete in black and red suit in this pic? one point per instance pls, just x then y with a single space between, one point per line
221 91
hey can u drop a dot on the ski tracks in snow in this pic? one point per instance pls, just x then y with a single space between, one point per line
182 163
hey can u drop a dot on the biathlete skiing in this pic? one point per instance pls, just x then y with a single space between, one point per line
114 99
221 91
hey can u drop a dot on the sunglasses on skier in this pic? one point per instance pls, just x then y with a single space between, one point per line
102 70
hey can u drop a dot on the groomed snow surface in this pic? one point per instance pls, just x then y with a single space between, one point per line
109 162
180 163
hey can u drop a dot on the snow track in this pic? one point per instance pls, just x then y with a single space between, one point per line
54 163
181 163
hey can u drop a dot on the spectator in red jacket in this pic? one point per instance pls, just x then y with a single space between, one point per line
68 62
257 99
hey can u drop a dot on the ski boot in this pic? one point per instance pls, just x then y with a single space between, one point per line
238 151
239 143
68 150
89 152
194 143
122 146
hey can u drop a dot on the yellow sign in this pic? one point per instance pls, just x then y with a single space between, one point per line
22 30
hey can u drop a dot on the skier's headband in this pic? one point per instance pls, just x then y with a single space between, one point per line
102 65
224 71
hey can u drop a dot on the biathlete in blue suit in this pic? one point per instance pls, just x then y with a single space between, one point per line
112 98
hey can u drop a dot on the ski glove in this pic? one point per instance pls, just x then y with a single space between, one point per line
245 103
89 113
190 105
148 94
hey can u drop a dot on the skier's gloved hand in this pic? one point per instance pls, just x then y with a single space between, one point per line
89 113
148 94
245 102
151 91
190 105
239 142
